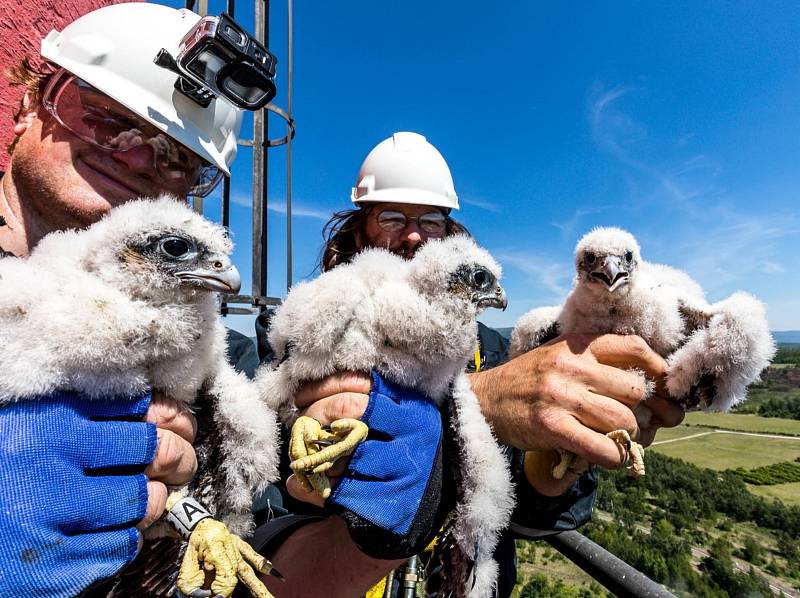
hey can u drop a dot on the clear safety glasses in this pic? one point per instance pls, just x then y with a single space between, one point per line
97 119
393 221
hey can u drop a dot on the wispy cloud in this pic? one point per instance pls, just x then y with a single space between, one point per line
569 227
615 132
479 203
733 251
298 210
552 276
771 267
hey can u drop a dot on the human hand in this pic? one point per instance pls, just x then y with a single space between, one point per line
568 393
68 499
175 462
339 396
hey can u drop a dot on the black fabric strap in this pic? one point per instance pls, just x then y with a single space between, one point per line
267 537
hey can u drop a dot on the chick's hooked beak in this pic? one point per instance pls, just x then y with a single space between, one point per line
217 274
493 298
613 273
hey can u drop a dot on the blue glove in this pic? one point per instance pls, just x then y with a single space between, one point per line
393 496
65 520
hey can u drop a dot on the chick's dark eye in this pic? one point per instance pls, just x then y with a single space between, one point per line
628 256
591 258
176 247
481 277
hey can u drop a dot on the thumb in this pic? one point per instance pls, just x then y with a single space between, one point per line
296 491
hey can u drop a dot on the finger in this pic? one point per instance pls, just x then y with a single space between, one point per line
255 585
156 503
342 383
296 491
340 406
666 412
175 462
338 469
590 445
170 415
626 352
624 386
601 413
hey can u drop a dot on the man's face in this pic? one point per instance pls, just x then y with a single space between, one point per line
68 182
403 228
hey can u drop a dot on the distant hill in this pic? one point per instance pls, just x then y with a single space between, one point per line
781 336
786 336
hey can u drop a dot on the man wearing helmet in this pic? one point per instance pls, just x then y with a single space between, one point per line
404 195
99 124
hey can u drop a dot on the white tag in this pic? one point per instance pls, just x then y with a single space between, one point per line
186 514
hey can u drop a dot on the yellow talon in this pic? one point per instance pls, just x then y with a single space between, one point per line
212 547
314 450
633 451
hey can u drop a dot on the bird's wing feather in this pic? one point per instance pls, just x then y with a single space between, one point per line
70 331
535 328
153 572
731 351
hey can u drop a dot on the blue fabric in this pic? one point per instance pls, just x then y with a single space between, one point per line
389 472
66 521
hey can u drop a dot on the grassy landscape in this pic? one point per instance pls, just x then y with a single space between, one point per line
723 450
788 493
699 528
742 423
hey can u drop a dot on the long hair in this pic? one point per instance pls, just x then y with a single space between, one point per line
33 79
343 235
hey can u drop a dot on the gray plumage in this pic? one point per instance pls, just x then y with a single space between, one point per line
127 305
713 350
414 322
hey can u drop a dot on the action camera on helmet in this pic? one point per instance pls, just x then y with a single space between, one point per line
218 58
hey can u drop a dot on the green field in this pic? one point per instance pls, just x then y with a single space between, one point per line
788 493
678 432
719 450
744 423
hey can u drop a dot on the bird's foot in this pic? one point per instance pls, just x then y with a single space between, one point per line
314 449
632 451
562 467
212 547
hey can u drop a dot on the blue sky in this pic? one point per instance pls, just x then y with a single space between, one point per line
678 121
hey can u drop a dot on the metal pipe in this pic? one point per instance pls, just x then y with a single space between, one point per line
226 202
613 573
387 590
260 136
410 577
289 151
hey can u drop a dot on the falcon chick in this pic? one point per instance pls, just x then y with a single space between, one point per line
413 321
713 350
130 304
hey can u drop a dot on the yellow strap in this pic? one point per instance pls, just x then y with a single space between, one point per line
377 590
477 357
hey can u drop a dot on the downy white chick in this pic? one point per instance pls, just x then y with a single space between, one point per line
130 304
713 350
413 322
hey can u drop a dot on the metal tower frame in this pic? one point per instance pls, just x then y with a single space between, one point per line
258 299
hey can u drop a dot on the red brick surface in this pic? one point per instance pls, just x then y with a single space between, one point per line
22 27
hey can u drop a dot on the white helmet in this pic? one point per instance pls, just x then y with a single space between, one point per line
405 168
112 48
